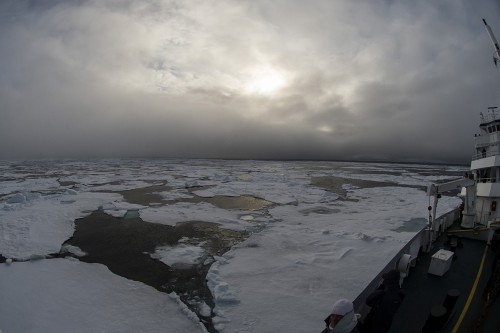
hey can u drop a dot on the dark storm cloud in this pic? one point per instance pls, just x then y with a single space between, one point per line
245 79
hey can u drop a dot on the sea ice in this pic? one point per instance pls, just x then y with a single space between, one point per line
63 295
308 249
38 225
180 254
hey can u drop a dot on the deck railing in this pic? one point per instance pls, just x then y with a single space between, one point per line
487 180
421 239
490 153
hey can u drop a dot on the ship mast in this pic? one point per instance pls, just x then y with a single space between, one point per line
496 54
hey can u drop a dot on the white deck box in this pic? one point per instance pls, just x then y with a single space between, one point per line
440 262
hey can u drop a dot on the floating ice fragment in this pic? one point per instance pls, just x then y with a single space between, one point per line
192 183
183 254
183 240
17 198
75 250
121 209
23 197
190 314
109 206
328 197
208 261
220 260
362 236
204 309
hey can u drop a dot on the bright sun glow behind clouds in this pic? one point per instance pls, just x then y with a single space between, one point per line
264 80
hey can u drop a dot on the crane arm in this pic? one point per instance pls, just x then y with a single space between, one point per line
456 184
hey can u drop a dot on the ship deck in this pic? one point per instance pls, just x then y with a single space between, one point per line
423 291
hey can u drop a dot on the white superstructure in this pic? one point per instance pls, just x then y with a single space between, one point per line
485 167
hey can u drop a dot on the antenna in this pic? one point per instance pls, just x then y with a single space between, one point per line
491 110
496 54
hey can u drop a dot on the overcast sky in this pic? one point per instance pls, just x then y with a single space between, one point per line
282 79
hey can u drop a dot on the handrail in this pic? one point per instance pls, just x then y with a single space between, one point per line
479 156
486 180
359 302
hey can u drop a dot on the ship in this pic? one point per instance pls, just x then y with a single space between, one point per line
450 270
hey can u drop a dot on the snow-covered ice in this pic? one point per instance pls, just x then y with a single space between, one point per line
302 265
186 254
304 252
64 295
36 225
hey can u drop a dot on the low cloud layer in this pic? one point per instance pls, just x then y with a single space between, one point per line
370 80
